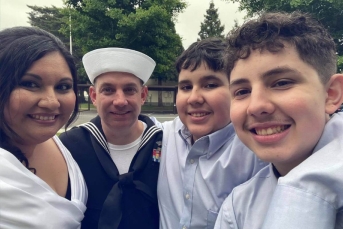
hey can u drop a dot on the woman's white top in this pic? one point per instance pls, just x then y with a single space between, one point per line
26 201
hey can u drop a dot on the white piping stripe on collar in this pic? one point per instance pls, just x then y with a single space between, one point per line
97 134
150 132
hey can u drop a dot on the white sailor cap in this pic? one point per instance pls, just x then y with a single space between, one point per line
104 60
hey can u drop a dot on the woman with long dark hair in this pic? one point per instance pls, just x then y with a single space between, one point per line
41 186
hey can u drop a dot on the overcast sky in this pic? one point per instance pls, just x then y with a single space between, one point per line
14 13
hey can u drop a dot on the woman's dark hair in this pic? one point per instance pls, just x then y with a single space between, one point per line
20 47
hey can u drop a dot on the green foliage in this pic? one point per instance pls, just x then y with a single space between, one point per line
211 27
52 19
234 28
49 19
143 25
328 12
340 64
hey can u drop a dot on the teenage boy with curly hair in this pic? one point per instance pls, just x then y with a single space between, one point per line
284 92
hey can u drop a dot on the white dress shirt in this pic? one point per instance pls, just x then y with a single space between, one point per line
247 205
311 195
195 179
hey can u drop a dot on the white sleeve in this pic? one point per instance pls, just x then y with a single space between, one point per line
292 208
226 219
157 123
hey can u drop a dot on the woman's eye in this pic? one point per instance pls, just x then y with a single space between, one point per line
64 87
28 84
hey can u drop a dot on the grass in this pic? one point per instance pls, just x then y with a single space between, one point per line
84 106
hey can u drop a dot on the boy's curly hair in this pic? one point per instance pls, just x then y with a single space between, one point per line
271 31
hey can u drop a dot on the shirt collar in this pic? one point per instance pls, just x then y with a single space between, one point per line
212 142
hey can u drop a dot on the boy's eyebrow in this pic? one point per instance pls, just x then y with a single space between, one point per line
238 81
208 77
279 70
183 82
268 74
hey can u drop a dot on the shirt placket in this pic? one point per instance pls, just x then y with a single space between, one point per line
190 169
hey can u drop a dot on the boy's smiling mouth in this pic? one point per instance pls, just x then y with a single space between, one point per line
201 114
269 130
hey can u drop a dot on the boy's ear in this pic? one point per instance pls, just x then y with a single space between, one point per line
334 90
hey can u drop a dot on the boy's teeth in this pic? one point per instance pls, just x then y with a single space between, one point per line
198 114
270 130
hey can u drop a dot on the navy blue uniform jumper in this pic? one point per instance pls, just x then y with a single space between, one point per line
124 201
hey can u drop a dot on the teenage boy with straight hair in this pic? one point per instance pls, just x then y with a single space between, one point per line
202 159
284 91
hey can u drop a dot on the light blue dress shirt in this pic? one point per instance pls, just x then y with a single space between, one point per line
195 179
248 203
309 197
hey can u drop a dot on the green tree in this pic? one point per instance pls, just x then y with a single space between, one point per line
52 19
340 64
328 12
143 25
234 27
49 19
211 27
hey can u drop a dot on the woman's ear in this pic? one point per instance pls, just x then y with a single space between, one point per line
334 90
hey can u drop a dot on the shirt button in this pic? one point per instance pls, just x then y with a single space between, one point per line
191 161
187 196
